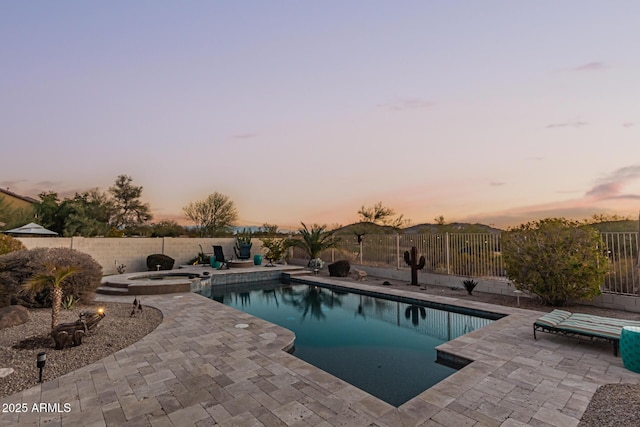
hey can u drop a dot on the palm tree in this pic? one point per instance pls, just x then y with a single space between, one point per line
51 279
315 240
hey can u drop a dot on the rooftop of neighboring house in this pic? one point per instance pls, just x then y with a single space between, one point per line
5 191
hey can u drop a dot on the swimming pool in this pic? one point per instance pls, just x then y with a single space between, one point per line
384 347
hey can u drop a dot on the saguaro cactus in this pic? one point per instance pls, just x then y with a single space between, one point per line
412 260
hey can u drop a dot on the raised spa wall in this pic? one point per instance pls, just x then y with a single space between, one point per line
126 284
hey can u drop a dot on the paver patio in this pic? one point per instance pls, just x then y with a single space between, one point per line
197 368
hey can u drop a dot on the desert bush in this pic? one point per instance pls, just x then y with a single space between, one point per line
16 268
9 244
556 259
165 262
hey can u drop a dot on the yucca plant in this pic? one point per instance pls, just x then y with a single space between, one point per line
315 240
51 279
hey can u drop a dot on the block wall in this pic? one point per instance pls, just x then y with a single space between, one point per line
495 286
133 251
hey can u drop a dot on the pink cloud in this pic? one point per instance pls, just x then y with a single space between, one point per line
610 187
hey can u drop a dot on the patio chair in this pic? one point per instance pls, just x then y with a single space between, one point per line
219 254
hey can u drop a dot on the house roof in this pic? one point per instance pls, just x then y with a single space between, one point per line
17 196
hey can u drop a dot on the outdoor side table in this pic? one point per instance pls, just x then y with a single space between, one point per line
630 348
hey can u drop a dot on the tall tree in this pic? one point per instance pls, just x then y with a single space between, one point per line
213 214
381 215
88 214
48 212
129 209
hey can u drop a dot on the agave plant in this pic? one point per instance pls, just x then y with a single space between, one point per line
68 303
469 285
315 240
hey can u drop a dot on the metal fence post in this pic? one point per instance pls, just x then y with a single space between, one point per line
398 251
446 242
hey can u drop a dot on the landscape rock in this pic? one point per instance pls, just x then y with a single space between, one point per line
339 268
5 372
13 315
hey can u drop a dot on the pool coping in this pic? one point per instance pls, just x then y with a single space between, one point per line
197 368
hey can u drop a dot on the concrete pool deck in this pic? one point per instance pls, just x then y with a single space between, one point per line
197 368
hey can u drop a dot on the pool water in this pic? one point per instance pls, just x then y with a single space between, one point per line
386 348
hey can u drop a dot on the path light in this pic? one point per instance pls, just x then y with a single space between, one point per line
100 310
41 360
158 267
518 293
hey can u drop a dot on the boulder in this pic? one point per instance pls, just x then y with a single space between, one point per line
163 261
339 268
13 315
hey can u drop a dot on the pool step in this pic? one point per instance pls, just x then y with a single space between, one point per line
286 276
144 289
112 290
116 285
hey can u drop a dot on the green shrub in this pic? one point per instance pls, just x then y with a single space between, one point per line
9 244
18 267
165 262
556 259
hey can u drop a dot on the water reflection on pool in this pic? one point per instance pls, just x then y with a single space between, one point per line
386 348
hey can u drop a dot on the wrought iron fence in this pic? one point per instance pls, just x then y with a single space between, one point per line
622 251
476 255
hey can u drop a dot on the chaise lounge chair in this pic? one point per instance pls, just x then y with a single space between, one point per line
577 324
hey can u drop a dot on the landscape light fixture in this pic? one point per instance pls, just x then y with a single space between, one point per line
41 361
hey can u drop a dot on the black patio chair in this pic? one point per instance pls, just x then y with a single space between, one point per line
219 254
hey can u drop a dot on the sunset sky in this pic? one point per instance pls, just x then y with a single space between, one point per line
481 111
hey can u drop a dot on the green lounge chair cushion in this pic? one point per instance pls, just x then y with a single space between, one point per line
554 318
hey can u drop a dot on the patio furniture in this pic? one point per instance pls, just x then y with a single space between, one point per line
630 348
243 250
219 254
583 325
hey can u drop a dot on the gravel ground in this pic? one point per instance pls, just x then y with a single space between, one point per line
20 345
611 405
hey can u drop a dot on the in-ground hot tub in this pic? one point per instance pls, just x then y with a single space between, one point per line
152 283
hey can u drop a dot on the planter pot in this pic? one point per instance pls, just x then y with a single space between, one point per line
257 259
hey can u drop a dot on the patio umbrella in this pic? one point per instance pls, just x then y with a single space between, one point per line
32 229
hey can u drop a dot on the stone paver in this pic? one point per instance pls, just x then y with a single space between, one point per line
197 369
